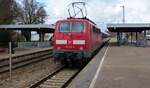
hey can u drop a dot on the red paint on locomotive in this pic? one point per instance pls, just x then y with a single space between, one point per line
75 37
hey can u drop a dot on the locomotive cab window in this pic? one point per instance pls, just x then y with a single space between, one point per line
71 27
77 27
64 27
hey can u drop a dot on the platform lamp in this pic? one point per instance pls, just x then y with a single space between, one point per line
123 12
123 18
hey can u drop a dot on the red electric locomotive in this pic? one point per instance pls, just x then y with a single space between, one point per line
75 39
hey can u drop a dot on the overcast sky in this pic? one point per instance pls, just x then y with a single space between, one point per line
102 11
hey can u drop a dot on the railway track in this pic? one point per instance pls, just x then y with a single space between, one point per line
59 79
25 59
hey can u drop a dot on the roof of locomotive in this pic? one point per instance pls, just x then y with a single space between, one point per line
77 19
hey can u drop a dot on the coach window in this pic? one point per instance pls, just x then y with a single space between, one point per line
94 30
99 31
64 27
91 29
77 27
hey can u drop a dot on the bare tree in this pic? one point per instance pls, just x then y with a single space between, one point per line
16 11
5 11
9 10
6 17
29 12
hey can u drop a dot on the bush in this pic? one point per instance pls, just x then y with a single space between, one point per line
5 37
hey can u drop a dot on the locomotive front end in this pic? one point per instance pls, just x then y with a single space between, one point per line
70 40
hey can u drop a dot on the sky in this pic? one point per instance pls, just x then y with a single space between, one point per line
102 12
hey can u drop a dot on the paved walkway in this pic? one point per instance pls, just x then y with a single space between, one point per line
123 67
85 77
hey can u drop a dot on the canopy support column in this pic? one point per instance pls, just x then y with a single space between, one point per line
131 38
145 38
41 36
121 37
118 38
136 38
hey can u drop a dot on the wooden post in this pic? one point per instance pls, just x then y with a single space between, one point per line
10 60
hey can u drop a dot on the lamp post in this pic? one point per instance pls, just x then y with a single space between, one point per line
122 35
123 12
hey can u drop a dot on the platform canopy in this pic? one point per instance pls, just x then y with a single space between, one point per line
128 27
29 27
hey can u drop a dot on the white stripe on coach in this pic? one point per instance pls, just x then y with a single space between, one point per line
79 42
61 41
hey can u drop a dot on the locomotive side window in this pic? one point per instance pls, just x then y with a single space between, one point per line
77 27
96 30
64 27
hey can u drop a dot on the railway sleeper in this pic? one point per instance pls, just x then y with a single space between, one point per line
18 65
21 59
54 80
23 56
47 86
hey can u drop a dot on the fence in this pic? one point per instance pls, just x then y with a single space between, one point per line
34 44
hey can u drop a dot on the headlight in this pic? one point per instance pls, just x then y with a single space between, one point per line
58 48
61 41
81 48
79 42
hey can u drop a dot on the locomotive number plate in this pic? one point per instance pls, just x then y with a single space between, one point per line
70 47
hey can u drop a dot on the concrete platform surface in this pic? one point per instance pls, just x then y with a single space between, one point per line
85 77
123 67
18 52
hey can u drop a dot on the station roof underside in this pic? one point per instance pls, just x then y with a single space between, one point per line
130 27
30 27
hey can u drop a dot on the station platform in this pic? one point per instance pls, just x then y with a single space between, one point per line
21 51
116 67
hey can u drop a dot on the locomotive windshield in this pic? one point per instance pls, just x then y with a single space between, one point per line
77 27
71 27
64 27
